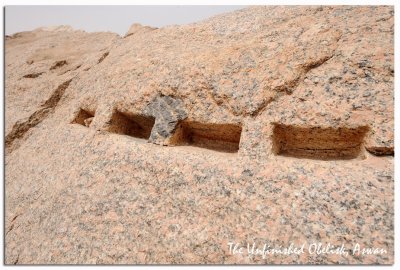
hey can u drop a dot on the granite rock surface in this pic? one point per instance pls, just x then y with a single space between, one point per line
268 125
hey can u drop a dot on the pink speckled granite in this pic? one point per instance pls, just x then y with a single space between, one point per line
79 191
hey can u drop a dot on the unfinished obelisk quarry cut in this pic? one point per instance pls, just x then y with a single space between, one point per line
268 125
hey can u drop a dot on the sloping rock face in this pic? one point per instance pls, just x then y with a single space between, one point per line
39 67
268 125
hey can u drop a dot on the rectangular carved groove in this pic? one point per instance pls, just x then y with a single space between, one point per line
218 137
318 143
133 125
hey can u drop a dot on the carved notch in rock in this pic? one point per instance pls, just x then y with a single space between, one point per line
318 143
133 125
218 137
84 118
167 111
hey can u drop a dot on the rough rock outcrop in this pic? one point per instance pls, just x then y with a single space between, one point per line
268 125
138 28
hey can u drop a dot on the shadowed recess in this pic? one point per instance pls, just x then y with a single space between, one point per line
318 143
84 118
33 75
218 137
58 64
13 139
134 125
102 57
